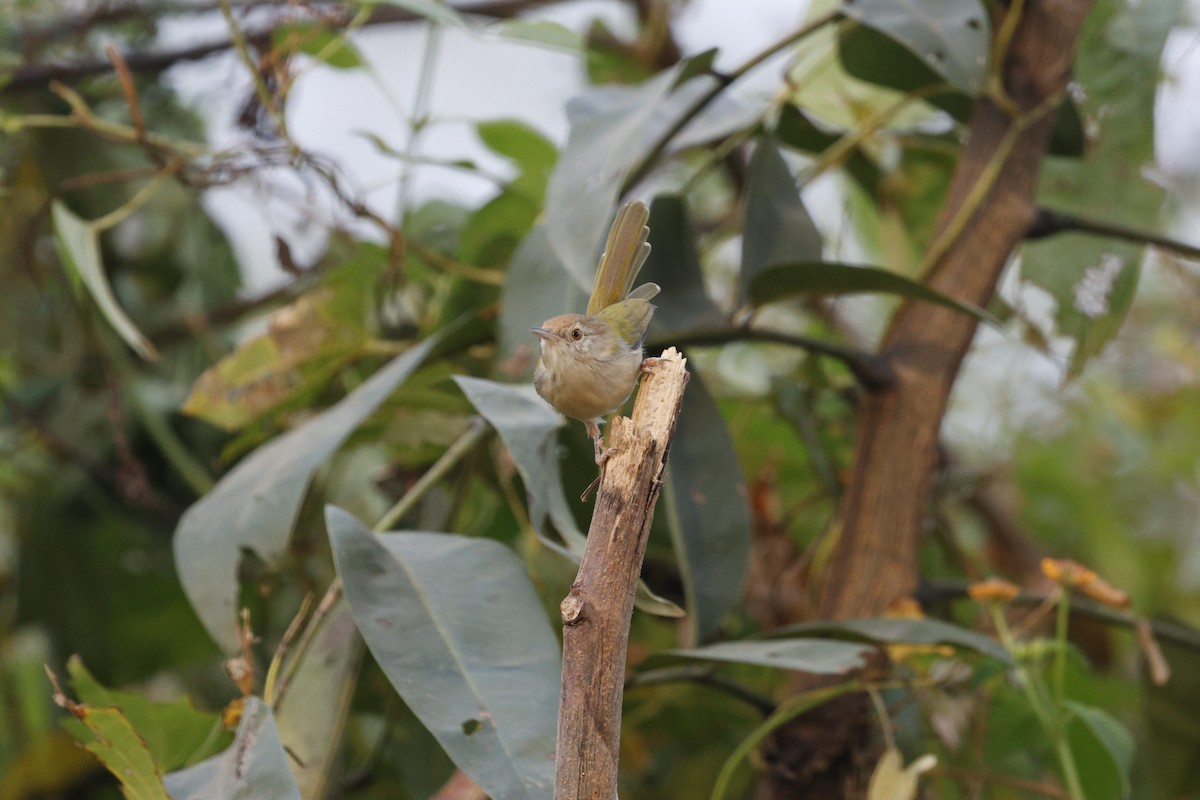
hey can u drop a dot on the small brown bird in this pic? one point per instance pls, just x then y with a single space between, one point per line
591 362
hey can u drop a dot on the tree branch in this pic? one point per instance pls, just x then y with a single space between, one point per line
872 371
1049 222
38 75
596 613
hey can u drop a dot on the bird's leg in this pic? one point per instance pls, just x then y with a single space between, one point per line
594 431
648 364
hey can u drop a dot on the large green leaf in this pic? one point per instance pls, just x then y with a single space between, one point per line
822 277
254 767
903 630
78 243
254 506
818 656
529 428
704 500
951 36
608 132
612 130
1114 745
1093 279
312 715
108 735
456 626
777 228
674 264
175 734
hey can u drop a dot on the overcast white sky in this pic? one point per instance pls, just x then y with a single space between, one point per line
331 108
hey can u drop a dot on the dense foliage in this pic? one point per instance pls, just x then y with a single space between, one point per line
195 480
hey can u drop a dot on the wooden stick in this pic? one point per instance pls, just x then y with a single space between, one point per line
597 611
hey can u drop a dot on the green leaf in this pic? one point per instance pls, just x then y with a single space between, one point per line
874 56
674 265
705 504
254 767
254 506
540 31
1115 742
697 65
822 277
313 714
175 734
456 626
433 10
950 36
777 226
1094 280
79 247
533 154
817 656
330 47
529 428
111 738
906 631
609 130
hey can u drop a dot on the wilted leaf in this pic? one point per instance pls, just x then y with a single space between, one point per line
456 626
254 506
80 249
254 767
704 500
303 343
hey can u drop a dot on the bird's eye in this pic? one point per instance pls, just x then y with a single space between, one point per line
576 334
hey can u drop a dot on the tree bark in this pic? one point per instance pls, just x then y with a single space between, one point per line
597 611
879 525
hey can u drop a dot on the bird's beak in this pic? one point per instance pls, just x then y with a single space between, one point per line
543 334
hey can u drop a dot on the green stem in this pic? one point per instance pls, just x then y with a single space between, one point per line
465 443
1067 761
260 86
333 595
1060 640
789 710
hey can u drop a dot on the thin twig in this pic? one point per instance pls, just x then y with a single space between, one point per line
871 371
1049 222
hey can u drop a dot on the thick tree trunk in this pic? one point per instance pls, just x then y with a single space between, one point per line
880 521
